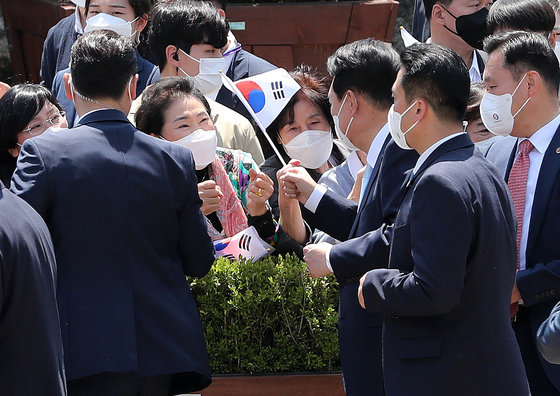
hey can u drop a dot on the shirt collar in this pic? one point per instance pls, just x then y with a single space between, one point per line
230 51
354 164
88 113
424 156
474 71
541 139
77 23
377 145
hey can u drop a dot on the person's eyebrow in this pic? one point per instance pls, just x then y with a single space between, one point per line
181 118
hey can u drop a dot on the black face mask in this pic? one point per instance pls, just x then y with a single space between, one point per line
471 28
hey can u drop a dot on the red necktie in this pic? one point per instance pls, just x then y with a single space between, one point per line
517 184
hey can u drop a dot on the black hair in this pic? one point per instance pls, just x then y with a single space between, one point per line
19 105
525 51
439 76
101 64
367 66
183 24
527 15
475 97
157 98
313 87
429 5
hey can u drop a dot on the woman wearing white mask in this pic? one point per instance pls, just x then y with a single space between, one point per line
304 131
232 189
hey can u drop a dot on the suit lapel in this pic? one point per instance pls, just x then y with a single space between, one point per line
550 168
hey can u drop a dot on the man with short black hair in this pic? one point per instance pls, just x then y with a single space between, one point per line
187 37
522 79
124 213
525 15
445 293
360 95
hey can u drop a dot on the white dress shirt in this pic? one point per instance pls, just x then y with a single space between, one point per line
372 155
474 71
541 140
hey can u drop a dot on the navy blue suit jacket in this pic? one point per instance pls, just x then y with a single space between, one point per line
447 290
244 64
31 360
365 248
56 49
124 214
147 75
539 283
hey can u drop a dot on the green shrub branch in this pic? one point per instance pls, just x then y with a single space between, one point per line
268 316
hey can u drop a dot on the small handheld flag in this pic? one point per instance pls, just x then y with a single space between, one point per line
246 244
407 38
264 95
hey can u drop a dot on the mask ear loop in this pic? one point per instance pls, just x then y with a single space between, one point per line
515 90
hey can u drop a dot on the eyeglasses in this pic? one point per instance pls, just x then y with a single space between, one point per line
38 128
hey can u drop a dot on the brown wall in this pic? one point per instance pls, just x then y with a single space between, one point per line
284 34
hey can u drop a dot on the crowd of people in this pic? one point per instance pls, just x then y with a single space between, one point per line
425 181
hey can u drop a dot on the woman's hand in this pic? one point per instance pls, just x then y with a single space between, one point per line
211 195
260 189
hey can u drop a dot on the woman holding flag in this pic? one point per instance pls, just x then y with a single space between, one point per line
232 189
303 131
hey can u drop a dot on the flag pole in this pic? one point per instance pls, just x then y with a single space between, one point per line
231 86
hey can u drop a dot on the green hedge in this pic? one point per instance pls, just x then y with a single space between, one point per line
268 316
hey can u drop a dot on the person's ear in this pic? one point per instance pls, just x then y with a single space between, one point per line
14 151
68 90
352 100
534 82
421 109
172 55
438 14
133 85
221 12
141 23
552 39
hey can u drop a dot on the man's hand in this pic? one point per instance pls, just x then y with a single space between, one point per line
360 294
211 195
295 182
260 189
315 256
515 294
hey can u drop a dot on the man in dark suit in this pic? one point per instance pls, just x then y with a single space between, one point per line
59 40
523 72
445 295
363 73
31 359
124 213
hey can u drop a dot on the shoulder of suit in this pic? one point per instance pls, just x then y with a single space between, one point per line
221 113
62 27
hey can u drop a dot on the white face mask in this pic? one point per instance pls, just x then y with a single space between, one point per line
208 80
312 148
495 111
110 22
343 137
203 146
394 119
